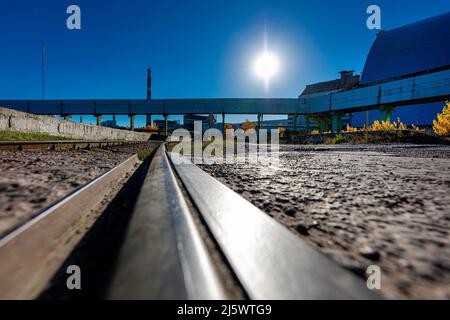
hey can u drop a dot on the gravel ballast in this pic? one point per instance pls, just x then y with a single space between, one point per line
385 205
31 181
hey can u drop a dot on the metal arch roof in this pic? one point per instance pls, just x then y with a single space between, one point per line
420 46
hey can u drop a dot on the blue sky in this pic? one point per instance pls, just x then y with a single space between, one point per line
195 48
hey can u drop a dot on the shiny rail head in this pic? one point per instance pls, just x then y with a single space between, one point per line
163 255
269 260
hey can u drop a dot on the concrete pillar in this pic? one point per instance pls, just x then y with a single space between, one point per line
223 123
384 115
323 123
132 117
99 120
165 124
258 127
148 121
336 124
81 119
386 112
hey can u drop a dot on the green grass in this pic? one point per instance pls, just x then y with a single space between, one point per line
338 138
144 154
8 135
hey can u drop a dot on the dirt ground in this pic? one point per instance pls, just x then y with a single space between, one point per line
31 181
387 205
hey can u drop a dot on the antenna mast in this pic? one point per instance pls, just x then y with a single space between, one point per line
43 70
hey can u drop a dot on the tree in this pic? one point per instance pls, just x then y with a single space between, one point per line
247 125
441 126
228 126
151 128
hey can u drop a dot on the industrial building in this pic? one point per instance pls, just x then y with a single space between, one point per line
415 49
110 123
171 124
347 81
407 66
207 121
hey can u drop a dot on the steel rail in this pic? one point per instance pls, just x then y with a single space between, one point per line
32 253
60 144
163 255
269 261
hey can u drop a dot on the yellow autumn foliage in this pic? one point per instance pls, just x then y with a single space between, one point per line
441 126
247 125
348 128
151 128
380 126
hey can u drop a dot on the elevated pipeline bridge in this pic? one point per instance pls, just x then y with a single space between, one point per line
430 86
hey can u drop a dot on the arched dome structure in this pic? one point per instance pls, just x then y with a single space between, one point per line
421 46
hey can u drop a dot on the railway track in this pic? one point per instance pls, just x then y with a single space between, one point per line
60 145
189 237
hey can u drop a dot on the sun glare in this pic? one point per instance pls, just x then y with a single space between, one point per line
266 66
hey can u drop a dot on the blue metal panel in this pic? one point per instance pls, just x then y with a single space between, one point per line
119 107
350 99
420 46
19 105
185 106
419 89
78 107
319 104
433 85
141 107
45 107
423 87
397 91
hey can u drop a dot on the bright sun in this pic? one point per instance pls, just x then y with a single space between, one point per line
266 66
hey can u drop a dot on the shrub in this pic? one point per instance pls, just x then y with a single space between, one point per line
349 128
247 125
441 126
339 138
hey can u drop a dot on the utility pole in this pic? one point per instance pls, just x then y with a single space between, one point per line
43 69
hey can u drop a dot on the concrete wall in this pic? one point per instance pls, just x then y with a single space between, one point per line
21 121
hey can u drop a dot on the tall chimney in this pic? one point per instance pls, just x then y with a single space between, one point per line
149 84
